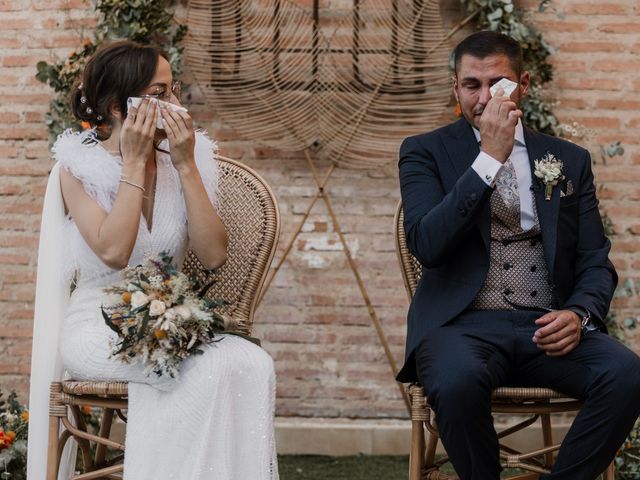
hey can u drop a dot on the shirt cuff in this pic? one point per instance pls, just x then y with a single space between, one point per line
487 168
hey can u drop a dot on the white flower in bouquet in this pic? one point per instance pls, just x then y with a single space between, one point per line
183 311
139 299
157 308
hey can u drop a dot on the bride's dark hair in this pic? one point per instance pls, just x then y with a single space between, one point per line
114 73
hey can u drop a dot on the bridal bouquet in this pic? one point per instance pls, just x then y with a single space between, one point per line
161 316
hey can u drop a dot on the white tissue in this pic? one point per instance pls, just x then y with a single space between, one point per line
507 85
135 102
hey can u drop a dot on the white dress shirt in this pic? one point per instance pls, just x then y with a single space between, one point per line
488 168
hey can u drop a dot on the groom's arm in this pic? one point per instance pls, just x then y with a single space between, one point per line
594 274
436 221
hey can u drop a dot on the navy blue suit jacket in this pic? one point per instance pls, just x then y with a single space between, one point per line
447 224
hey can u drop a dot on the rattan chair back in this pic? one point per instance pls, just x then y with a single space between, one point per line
250 215
410 266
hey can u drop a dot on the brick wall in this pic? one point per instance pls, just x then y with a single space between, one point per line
313 321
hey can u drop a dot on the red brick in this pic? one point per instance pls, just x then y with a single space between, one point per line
27 99
591 47
61 4
23 207
618 104
617 66
20 60
15 332
14 5
34 117
8 152
25 170
11 189
599 122
565 26
15 24
9 117
598 9
585 83
626 27
23 133
17 241
11 259
10 43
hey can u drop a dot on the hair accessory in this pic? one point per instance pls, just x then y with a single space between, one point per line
99 118
83 99
80 86
89 110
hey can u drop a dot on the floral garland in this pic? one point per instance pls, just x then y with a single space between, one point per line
143 21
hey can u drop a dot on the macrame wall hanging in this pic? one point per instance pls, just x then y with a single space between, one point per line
342 84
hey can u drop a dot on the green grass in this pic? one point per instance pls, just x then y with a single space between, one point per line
362 467
315 467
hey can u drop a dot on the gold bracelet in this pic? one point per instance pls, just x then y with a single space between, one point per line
133 184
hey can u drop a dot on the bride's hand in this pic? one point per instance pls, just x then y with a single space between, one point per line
182 138
138 130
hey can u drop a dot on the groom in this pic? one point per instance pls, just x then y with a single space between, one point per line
516 278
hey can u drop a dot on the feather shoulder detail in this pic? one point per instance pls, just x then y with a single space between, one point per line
82 155
206 151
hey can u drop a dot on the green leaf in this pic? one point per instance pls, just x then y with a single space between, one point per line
109 321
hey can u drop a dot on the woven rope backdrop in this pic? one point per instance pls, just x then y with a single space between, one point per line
349 83
340 84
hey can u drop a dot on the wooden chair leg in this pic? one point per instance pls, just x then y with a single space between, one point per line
417 453
83 444
430 453
609 473
105 431
56 410
547 437
53 458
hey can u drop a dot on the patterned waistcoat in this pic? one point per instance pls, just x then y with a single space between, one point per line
518 274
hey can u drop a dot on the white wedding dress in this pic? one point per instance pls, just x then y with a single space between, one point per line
215 421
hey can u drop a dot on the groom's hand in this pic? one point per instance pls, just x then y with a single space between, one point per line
498 125
559 332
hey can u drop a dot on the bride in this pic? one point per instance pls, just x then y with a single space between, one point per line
121 191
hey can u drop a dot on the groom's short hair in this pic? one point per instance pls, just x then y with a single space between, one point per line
487 43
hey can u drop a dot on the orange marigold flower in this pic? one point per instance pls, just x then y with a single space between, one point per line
160 334
85 125
86 409
126 297
25 416
11 434
5 439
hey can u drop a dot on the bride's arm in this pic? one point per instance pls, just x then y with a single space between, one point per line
207 234
112 235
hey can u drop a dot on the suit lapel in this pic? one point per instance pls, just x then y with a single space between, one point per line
462 148
537 147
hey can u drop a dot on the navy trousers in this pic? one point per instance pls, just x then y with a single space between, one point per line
463 361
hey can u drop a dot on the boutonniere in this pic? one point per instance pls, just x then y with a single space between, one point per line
549 171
